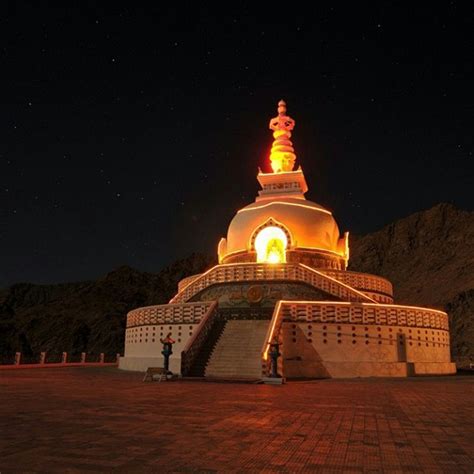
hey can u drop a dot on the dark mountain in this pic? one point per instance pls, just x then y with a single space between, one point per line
86 316
428 256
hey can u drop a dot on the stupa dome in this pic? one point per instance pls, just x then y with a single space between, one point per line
310 231
307 225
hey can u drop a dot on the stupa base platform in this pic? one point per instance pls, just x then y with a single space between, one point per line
348 369
434 368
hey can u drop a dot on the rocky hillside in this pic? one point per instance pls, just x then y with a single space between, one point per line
87 316
429 257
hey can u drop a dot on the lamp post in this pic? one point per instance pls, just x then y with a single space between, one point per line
274 354
167 351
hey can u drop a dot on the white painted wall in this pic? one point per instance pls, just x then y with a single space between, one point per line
143 347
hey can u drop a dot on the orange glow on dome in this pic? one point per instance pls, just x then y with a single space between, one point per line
253 208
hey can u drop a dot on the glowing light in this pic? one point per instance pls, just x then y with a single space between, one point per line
282 156
271 221
285 204
270 244
221 249
346 247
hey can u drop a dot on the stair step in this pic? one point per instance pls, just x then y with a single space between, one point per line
237 353
199 366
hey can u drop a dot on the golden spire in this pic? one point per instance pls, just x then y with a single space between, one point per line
282 155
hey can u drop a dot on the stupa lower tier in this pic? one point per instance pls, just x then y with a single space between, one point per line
331 323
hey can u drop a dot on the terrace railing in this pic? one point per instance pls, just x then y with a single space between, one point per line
186 313
363 313
264 272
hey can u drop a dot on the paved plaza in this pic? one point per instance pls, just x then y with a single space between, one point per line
105 420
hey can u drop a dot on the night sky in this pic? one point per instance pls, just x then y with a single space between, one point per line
132 135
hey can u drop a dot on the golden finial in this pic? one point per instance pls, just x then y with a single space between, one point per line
282 156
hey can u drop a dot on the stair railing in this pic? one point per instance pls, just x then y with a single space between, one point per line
333 286
273 331
196 341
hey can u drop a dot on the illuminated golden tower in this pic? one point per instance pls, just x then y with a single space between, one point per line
282 155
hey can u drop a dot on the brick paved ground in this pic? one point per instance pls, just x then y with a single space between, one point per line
89 420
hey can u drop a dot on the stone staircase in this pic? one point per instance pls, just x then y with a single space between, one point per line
199 366
237 354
